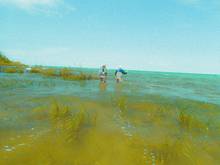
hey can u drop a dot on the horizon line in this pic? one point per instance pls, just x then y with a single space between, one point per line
129 69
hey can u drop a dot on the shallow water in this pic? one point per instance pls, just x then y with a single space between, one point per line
150 118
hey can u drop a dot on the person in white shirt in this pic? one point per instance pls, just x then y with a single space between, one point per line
103 74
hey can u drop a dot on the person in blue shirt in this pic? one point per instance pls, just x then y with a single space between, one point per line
119 73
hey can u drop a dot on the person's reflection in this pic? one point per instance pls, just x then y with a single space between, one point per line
102 86
82 83
118 88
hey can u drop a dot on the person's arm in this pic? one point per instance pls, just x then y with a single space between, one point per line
123 72
116 72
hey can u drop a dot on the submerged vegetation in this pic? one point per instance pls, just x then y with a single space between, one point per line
8 66
61 122
68 74
67 124
93 132
64 73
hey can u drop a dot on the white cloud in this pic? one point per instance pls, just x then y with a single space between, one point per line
43 6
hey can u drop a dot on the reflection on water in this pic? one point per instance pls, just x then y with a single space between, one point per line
102 86
151 118
118 88
82 83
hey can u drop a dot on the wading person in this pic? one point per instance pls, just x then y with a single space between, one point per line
119 73
103 74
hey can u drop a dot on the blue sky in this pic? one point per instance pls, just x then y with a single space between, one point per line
159 35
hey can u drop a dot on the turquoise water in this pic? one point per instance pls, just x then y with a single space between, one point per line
197 87
18 90
147 105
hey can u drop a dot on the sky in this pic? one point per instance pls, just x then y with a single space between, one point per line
153 35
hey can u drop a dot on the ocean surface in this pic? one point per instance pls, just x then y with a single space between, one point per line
170 116
199 87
